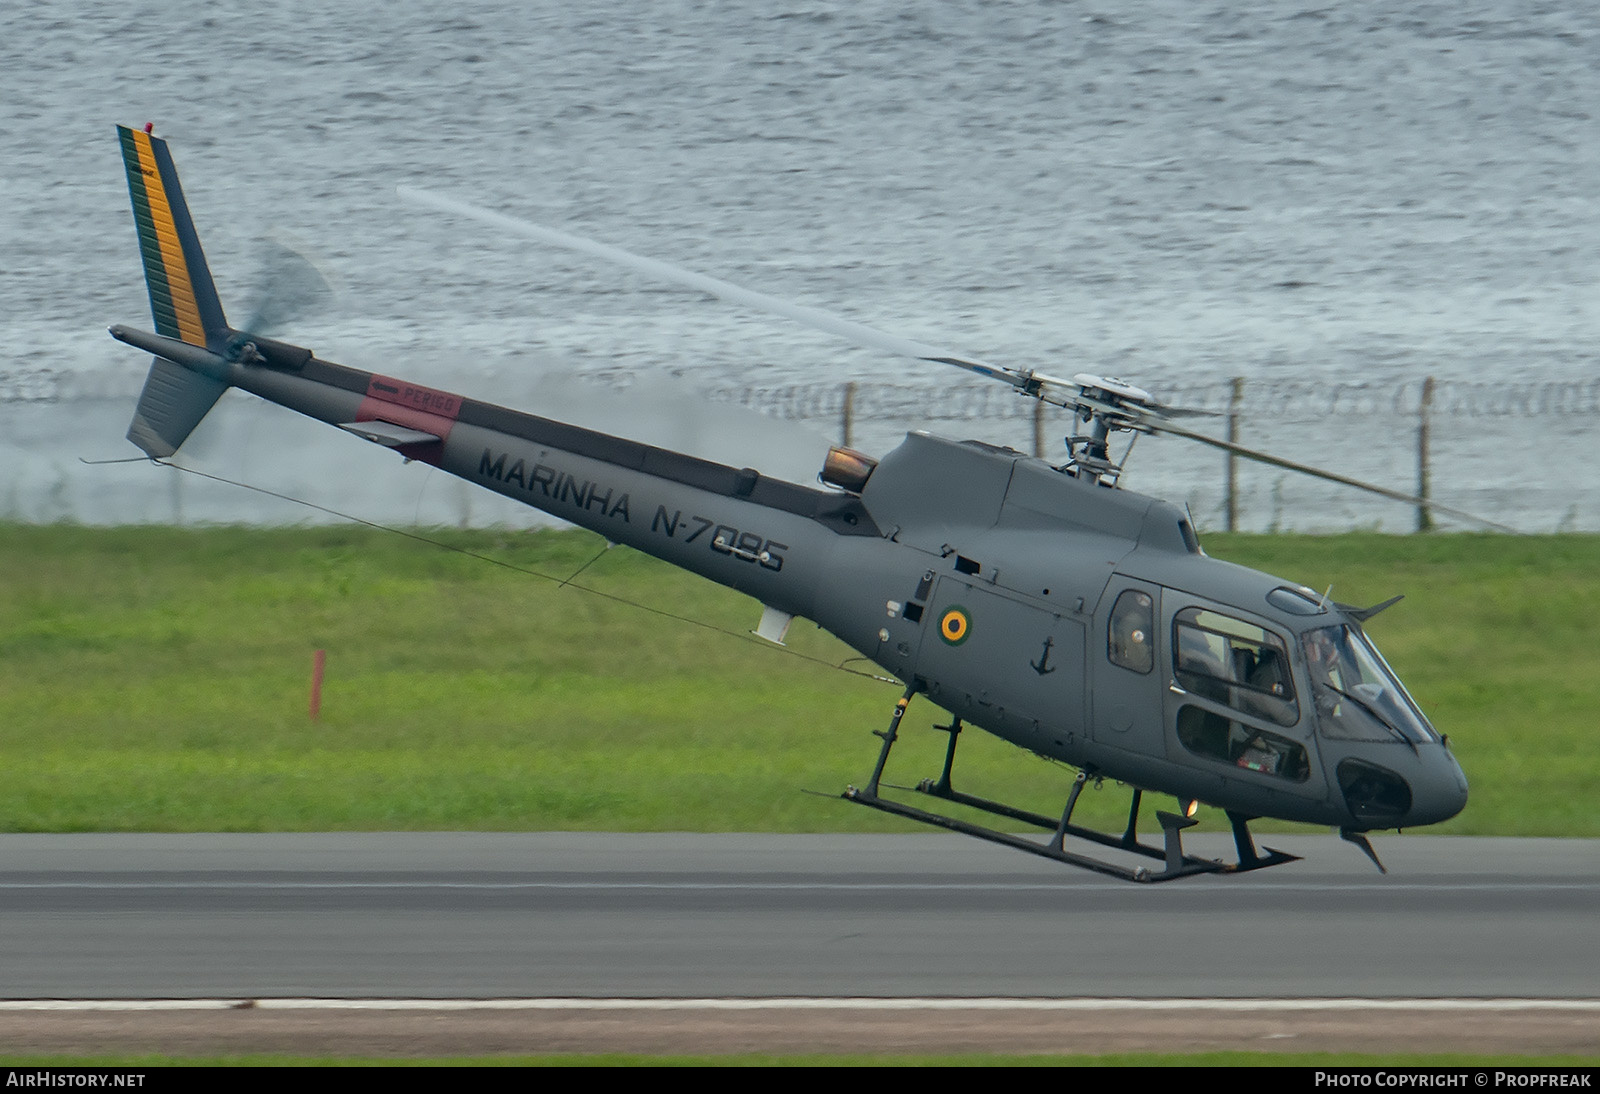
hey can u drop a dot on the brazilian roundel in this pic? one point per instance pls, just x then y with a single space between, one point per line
955 625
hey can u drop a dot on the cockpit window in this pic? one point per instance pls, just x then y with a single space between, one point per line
1235 663
1357 696
1129 641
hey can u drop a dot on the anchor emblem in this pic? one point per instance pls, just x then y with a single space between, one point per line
1042 666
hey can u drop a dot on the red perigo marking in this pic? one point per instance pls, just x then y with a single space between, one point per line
413 406
400 393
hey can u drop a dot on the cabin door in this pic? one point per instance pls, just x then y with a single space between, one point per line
1127 659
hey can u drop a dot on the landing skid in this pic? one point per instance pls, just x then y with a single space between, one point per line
1175 862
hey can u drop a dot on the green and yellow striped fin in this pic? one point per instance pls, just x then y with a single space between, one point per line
183 299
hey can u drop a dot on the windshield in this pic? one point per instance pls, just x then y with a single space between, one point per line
1357 696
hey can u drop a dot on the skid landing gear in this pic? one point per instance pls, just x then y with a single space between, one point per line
1175 862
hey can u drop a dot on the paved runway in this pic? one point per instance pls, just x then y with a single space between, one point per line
470 915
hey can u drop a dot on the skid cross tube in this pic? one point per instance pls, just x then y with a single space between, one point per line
1172 825
939 820
1177 864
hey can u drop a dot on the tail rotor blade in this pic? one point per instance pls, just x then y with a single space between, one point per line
289 287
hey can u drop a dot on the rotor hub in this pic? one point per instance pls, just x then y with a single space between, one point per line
1109 405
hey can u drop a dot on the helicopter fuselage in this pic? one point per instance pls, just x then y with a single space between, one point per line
1044 604
1081 622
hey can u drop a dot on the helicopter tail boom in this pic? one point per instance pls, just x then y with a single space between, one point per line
731 524
761 535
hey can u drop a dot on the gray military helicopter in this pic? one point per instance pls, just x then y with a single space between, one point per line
1042 603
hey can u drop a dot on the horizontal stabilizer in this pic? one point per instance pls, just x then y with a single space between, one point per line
172 403
388 435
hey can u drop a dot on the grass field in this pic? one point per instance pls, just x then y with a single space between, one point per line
156 679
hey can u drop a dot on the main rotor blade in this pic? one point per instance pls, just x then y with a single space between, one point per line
1160 426
811 317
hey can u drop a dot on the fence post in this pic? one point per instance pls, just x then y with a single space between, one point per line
1235 399
847 413
1038 428
1424 483
319 662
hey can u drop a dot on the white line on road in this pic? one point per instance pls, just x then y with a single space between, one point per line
810 1003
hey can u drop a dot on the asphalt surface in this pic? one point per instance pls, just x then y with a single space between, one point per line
470 915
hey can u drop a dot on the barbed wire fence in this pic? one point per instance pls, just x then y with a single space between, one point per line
991 402
1400 418
870 401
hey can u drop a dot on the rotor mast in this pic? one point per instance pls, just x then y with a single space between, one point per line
1107 405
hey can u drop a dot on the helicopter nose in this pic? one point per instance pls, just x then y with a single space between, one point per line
1440 793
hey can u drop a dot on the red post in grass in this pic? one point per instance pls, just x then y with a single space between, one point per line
318 662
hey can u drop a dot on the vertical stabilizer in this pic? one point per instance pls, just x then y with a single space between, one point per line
183 299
